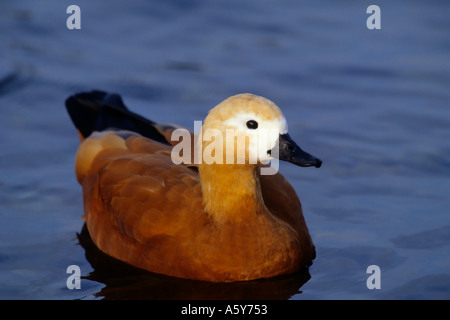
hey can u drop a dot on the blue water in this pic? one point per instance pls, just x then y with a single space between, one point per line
374 105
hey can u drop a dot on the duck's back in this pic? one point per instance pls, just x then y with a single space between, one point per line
139 207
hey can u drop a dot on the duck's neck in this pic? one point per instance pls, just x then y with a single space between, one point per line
231 193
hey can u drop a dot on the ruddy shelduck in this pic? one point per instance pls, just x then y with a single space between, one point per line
218 222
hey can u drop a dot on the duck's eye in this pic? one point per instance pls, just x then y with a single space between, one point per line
252 124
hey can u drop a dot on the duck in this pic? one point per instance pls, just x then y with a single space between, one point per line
161 211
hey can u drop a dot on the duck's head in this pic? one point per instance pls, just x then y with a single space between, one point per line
257 125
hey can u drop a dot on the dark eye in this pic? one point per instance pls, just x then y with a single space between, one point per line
252 124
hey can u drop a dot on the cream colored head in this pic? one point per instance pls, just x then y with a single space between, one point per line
251 116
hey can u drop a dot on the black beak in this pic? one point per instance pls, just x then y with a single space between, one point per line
289 151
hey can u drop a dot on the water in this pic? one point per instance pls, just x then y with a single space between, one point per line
372 104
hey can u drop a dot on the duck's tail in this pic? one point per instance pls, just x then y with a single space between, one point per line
98 111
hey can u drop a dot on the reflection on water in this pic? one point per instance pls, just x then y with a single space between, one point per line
123 281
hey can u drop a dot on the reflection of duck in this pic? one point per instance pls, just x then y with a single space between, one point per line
214 222
123 281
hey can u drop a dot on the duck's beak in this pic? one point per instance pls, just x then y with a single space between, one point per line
289 151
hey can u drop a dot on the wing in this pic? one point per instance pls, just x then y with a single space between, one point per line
131 184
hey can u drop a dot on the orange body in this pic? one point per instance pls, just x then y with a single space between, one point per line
210 222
